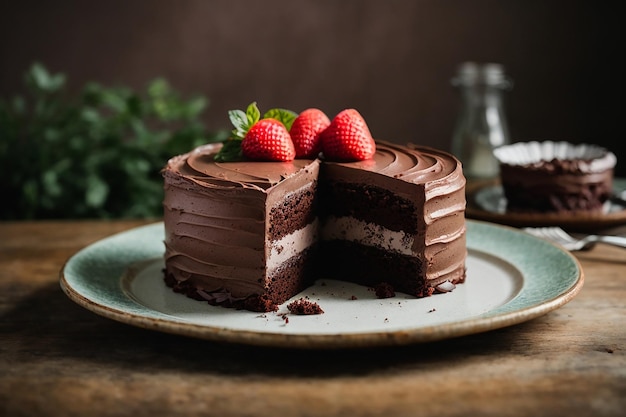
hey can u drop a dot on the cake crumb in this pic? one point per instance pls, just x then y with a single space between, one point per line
304 307
353 297
384 290
432 310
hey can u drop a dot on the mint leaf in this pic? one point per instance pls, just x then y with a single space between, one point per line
253 114
286 117
230 152
243 121
239 119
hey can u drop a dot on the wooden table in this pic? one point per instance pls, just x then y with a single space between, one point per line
58 359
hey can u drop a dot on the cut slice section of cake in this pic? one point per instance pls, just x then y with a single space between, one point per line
397 219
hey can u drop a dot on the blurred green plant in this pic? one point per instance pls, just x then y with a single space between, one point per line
95 156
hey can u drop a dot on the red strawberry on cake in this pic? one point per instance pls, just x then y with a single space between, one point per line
348 138
306 132
268 140
259 138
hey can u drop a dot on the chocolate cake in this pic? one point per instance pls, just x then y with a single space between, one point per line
253 234
555 177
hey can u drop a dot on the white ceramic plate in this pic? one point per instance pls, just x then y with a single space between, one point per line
511 277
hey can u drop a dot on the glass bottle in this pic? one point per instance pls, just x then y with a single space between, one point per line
481 125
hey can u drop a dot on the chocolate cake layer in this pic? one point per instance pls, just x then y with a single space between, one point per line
297 211
368 203
371 266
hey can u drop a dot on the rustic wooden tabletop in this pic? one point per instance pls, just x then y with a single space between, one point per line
57 358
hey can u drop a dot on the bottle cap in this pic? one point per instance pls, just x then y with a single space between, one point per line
472 73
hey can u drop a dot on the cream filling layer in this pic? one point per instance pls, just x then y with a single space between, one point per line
291 245
368 234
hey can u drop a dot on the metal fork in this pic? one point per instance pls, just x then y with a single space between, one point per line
559 236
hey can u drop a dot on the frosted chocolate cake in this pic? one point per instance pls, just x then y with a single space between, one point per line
252 234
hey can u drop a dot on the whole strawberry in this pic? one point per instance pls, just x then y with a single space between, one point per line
306 132
259 138
268 140
348 138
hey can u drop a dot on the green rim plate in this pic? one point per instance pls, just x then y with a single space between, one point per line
512 277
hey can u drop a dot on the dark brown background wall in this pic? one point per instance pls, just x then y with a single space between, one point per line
392 60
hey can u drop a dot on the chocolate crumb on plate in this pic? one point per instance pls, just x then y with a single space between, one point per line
304 307
384 290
